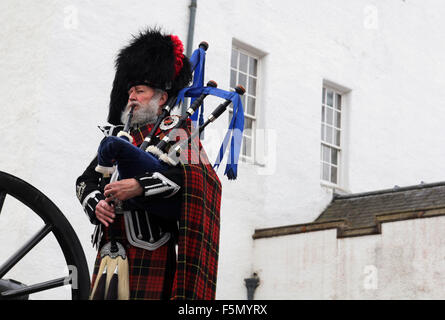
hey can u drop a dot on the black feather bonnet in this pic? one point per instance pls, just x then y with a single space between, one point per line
153 59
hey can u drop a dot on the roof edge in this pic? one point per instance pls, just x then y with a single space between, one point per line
343 231
337 196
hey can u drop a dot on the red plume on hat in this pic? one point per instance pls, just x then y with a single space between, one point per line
151 58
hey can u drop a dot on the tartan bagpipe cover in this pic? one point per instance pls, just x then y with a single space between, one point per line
198 240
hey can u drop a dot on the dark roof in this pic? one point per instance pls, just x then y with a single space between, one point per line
360 209
362 213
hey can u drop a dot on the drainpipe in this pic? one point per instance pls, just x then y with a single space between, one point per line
191 31
193 5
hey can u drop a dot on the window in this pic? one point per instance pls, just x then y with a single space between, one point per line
244 71
331 124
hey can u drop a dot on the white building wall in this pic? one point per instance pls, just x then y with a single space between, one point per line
56 60
404 262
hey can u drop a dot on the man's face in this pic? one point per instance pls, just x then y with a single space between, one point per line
141 94
147 102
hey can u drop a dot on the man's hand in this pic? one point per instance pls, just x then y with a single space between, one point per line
105 212
123 189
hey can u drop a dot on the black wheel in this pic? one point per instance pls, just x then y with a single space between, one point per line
57 224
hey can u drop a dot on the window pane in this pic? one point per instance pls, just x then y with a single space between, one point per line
232 78
325 172
323 95
333 174
338 101
252 66
248 132
323 138
329 116
330 98
248 125
243 62
338 119
251 106
329 134
242 79
334 158
326 154
234 59
335 137
252 86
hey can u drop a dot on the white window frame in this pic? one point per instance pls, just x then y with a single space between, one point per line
332 144
247 158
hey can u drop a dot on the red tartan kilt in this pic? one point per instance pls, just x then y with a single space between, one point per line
151 272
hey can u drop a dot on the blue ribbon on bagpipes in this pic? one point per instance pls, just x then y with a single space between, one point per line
197 61
234 133
236 126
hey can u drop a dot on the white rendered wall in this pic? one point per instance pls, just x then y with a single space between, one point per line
57 59
404 262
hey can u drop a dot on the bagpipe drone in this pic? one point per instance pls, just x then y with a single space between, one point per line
119 152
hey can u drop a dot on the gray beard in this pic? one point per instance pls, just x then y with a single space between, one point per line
145 114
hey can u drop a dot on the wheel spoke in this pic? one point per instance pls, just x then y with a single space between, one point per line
24 250
35 288
2 199
55 223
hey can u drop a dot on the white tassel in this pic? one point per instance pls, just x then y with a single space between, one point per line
154 150
106 171
167 160
125 134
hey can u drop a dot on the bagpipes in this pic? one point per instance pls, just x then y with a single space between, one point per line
131 160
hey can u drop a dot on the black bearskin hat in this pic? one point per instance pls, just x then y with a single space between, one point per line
153 59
